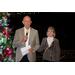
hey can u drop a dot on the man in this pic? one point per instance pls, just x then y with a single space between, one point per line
22 40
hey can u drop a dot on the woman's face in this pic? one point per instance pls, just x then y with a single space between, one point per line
50 33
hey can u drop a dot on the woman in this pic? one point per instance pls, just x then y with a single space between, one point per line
51 47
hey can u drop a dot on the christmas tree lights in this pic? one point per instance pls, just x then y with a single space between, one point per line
7 51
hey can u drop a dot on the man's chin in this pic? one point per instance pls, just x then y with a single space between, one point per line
28 27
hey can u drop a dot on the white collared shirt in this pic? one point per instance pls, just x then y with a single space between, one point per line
49 40
28 35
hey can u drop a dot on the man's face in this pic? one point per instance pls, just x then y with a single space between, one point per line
27 21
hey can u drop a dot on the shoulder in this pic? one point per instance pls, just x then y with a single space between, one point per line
20 29
56 40
45 38
34 30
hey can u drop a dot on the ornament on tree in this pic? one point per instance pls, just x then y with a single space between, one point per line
7 51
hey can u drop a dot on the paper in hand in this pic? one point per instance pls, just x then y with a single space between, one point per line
24 50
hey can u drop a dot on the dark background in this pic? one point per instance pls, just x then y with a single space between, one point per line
62 21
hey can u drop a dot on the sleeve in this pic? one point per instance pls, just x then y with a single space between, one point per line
57 51
36 42
41 48
16 41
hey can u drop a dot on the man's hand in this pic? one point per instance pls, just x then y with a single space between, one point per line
24 39
31 49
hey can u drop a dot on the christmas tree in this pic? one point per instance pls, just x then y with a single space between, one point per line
7 51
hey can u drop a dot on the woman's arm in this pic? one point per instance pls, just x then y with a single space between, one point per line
41 48
57 51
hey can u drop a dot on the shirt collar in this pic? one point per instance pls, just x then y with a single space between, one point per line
50 37
26 29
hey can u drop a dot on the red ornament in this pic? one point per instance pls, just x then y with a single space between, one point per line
0 26
0 61
9 29
7 53
5 14
5 17
10 56
8 36
10 52
4 53
4 32
0 47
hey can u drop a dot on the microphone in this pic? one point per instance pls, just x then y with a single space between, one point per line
27 34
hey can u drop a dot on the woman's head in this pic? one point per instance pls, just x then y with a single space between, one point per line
51 32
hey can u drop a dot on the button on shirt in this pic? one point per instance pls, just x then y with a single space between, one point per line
28 35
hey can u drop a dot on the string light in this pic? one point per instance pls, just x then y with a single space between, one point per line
19 13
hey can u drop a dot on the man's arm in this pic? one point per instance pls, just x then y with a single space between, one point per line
37 45
16 41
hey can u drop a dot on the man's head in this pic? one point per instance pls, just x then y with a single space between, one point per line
27 21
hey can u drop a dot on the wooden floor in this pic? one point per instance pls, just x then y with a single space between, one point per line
66 56
64 59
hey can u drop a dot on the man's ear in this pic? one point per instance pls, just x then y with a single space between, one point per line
31 22
22 22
